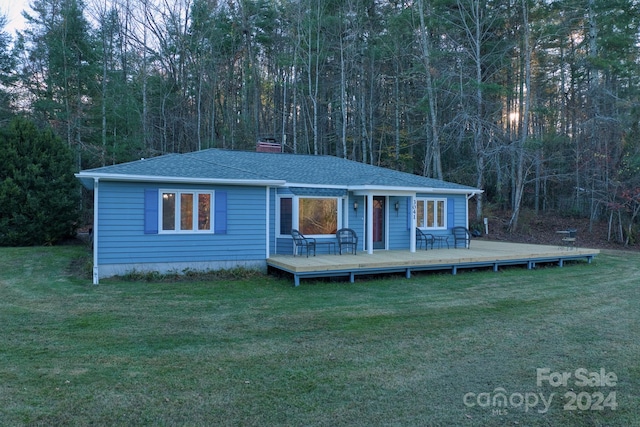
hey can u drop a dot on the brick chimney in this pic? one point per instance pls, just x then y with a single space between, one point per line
268 145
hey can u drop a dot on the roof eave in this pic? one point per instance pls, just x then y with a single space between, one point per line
89 178
367 189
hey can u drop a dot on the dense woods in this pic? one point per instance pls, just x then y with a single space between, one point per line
537 102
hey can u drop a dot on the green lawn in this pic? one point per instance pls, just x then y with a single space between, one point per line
432 350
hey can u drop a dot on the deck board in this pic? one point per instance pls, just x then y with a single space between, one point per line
481 253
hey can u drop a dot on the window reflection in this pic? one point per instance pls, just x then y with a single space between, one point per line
318 216
168 211
286 215
204 212
186 211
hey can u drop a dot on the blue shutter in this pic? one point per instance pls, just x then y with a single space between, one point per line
220 219
150 211
451 213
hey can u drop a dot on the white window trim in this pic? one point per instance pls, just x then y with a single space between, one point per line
177 229
444 213
295 208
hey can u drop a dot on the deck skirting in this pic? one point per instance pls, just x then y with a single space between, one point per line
481 254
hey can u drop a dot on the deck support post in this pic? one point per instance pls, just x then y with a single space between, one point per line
296 280
352 277
408 273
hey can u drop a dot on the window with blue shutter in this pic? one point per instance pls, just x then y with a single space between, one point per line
433 213
183 211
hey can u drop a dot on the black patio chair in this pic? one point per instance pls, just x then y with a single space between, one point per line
461 234
347 238
427 238
299 242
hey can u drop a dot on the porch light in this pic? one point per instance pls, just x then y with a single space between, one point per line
397 206
355 206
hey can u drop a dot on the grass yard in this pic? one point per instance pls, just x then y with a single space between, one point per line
434 350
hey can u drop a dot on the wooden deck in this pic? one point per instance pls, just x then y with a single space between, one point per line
482 253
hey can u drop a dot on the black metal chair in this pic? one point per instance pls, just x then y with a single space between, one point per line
461 234
427 238
347 238
299 242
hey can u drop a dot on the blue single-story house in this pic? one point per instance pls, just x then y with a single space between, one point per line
216 209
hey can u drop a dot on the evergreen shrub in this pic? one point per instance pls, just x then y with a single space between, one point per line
39 195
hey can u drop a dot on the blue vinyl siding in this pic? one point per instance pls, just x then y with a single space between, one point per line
122 238
399 223
357 219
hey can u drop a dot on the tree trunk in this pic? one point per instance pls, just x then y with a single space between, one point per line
520 147
433 134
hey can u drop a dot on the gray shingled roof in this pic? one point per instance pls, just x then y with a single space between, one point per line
293 169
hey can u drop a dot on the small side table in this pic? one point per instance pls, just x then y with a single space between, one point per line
331 245
439 240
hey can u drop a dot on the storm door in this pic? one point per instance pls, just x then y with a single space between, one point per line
379 221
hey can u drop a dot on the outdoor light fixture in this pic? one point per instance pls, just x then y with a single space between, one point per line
397 206
355 206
